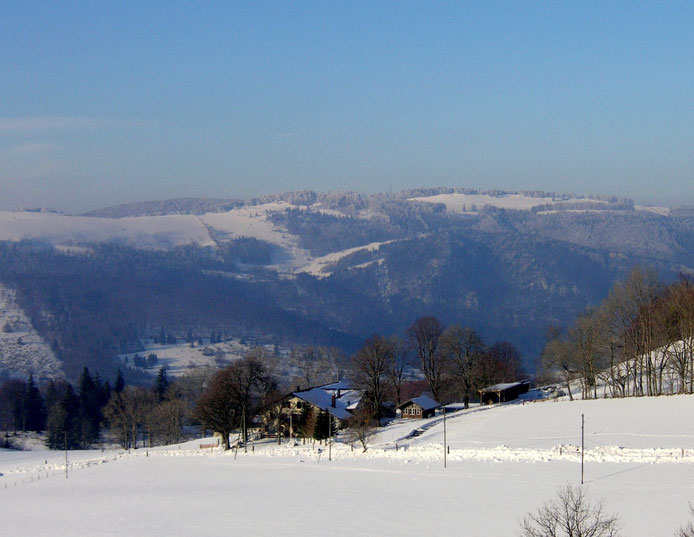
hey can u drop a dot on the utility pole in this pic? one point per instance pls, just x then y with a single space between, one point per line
444 437
582 444
65 439
279 422
245 434
330 436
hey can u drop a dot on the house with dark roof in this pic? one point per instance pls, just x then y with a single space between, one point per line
339 399
501 393
419 407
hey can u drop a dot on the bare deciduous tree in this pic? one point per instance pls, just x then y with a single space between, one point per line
165 420
397 366
361 427
371 368
688 529
571 514
424 336
463 348
558 358
311 363
231 395
127 413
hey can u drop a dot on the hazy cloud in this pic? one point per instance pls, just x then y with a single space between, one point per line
21 125
29 160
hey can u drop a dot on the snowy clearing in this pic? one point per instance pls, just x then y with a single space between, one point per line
458 203
504 462
319 266
22 349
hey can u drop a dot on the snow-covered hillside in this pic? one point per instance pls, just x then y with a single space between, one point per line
251 220
143 232
294 490
459 202
169 231
22 349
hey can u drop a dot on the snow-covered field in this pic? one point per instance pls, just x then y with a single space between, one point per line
504 462
180 358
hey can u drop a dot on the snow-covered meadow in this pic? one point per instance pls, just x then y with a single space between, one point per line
504 462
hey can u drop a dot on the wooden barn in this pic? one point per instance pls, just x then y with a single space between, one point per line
419 407
501 393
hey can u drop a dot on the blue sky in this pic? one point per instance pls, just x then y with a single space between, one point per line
108 102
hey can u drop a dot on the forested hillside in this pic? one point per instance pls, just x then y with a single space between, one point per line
330 268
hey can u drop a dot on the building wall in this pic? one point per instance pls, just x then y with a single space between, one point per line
413 412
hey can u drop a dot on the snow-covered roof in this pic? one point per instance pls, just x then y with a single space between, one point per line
351 398
322 399
341 384
424 401
504 386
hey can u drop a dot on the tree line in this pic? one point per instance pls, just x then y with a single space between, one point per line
454 360
79 417
451 363
638 341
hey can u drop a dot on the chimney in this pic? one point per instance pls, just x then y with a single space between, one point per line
332 401
338 393
298 388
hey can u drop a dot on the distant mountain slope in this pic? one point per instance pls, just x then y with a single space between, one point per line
335 267
22 349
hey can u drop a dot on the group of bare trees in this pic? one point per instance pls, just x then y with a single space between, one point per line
140 415
317 365
235 394
454 360
639 341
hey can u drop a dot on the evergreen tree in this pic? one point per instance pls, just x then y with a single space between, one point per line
305 422
152 360
63 421
103 391
51 395
323 425
120 383
33 410
89 409
161 384
11 399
